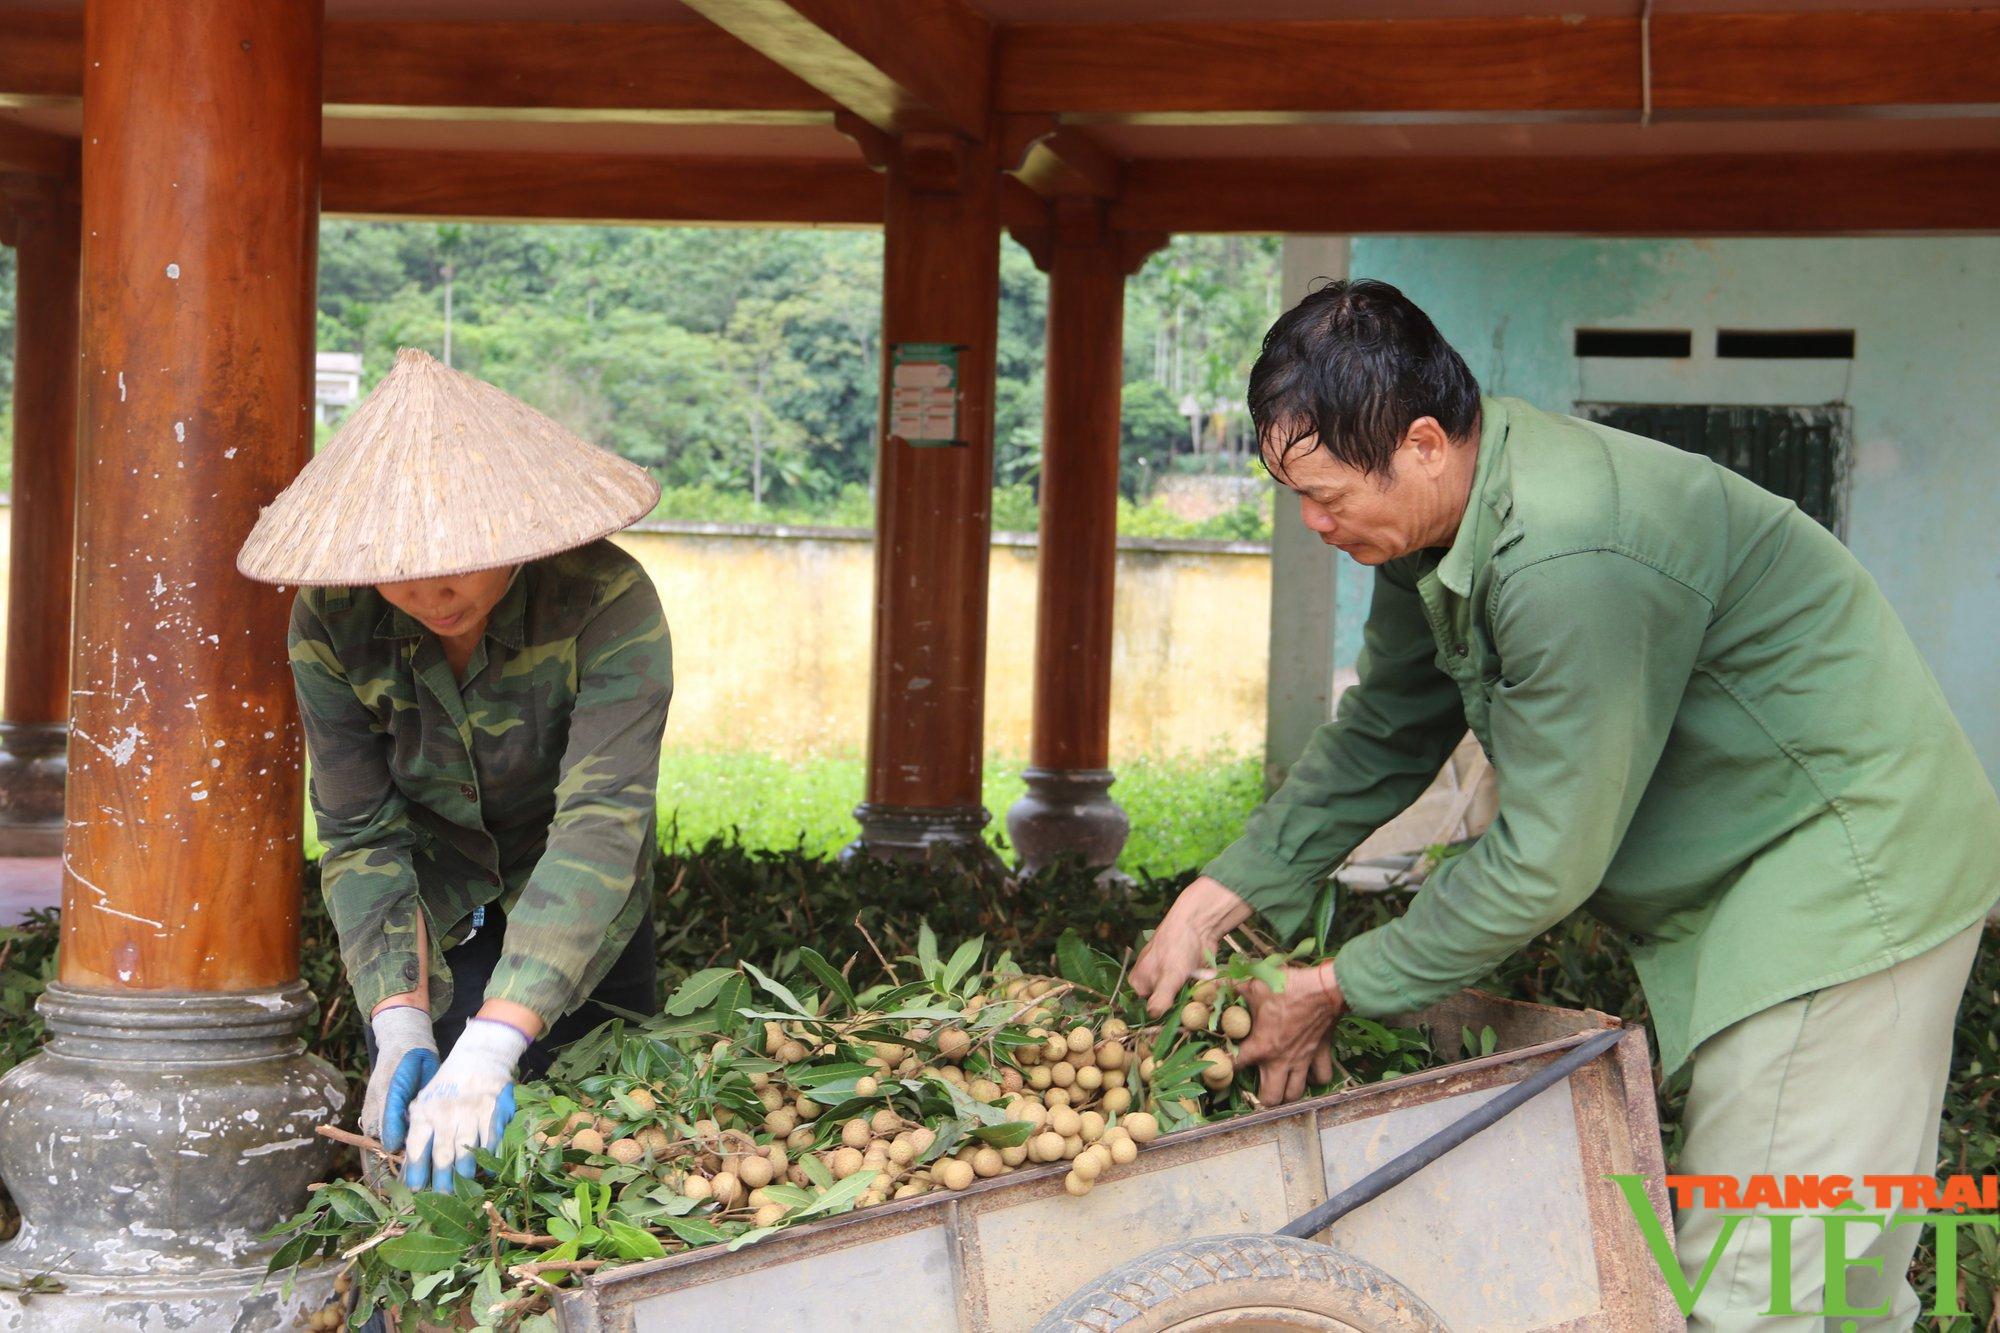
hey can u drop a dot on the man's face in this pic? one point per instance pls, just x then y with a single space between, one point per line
456 607
1375 518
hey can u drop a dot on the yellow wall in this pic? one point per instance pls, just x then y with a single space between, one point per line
771 642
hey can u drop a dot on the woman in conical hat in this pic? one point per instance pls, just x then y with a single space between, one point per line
484 682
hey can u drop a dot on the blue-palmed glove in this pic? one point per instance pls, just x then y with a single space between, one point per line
406 1055
466 1105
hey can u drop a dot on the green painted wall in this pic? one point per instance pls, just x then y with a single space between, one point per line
1924 388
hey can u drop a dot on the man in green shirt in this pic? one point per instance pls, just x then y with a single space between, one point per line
1708 727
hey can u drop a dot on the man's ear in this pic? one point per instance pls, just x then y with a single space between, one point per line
1428 444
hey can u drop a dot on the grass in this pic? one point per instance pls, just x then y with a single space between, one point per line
1183 811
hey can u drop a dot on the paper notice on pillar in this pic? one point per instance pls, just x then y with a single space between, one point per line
923 394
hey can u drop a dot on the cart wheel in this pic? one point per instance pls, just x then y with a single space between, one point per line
1245 1284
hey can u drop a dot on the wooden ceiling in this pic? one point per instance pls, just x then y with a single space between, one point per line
1754 118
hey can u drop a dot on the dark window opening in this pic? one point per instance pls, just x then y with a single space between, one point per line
1634 342
1826 345
1799 453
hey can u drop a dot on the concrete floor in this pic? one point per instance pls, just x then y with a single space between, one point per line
27 883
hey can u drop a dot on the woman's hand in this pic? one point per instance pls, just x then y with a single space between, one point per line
466 1105
406 1055
1185 938
1291 1032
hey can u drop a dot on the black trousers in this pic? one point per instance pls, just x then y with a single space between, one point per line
632 983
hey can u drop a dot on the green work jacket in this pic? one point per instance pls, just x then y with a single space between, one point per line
1707 724
532 783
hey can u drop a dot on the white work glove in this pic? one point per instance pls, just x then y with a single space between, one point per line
466 1105
406 1055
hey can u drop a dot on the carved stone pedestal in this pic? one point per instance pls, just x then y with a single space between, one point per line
149 1146
1067 814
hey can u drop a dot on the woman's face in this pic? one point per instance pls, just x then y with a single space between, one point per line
453 608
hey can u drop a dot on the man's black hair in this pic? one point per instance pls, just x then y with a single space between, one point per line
1355 363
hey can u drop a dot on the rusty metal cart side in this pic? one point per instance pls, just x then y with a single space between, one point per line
1519 1229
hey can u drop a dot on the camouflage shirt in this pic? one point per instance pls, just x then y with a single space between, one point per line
530 784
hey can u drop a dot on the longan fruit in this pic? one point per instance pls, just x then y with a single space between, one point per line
923 1137
1124 1151
1090 1078
885 1121
1143 1126
654 1140
643 1099
984 1090
1081 1039
781 1122
865 1087
953 1174
1110 1055
1236 1022
775 1153
953 1043
1039 1078
1072 1146
871 1197
756 1172
855 1134
909 1189
1194 1016
578 1120
1146 1068
987 1163
1055 1097
1055 1048
1040 986
587 1172
1076 1185
800 1139
588 1140
769 1215
1010 1080
625 1151
789 1052
726 1188
1063 1075
1033 1112
808 1110
771 1099
952 1074
1220 1071
1114 1078
774 1036
1065 1121
845 1162
1114 1028
1087 1166
696 1188
1117 1100
1046 1147
1091 1126
1206 991
902 1152
1015 1155
797 1175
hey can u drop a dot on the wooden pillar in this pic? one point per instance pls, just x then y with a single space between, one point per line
1303 572
174 1067
940 317
1068 811
35 712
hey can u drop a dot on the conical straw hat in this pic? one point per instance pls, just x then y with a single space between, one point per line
438 473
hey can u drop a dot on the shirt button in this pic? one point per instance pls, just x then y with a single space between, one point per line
1463 650
465 789
409 971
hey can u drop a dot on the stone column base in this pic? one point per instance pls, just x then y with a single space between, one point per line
34 770
928 833
148 1147
1067 814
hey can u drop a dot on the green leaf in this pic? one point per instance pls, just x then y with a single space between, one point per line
841 1196
420 1252
422 1288
1323 915
632 1243
962 962
695 1230
1011 1134
927 951
487 1292
816 1171
753 1235
449 1218
699 991
788 1196
829 976
779 990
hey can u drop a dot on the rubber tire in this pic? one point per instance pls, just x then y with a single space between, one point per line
1201 1281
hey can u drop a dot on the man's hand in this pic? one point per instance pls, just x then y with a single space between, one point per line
406 1055
1291 1032
1186 936
466 1106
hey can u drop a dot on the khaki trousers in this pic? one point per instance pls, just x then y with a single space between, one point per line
1849 1081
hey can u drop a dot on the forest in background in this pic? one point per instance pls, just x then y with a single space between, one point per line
741 364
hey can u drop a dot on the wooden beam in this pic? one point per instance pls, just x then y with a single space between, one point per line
1806 194
587 67
909 64
1279 70
36 152
391 182
1056 160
